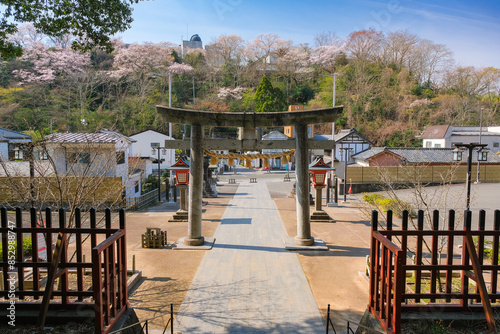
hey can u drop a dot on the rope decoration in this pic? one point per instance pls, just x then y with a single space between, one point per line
247 157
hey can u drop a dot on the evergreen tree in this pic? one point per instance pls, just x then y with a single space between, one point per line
267 98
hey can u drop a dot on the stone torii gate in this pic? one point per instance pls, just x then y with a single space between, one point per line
249 141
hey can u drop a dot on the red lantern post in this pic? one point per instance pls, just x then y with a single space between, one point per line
318 169
181 169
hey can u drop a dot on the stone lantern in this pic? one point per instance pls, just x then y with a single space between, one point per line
318 169
181 169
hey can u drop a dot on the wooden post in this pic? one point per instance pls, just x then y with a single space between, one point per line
52 274
478 275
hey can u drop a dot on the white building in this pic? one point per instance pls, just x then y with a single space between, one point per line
146 141
276 163
104 154
349 139
446 136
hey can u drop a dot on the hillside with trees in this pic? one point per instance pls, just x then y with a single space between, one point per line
392 85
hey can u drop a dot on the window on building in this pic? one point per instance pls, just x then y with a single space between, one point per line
15 153
155 145
428 144
41 155
18 155
437 146
137 186
120 157
496 144
482 155
82 158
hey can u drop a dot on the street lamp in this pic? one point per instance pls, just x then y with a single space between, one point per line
346 150
159 161
457 156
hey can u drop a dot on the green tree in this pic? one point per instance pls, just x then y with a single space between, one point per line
268 98
92 22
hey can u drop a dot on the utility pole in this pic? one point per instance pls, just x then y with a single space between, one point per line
480 133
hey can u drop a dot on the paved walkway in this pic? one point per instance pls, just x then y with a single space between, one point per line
248 283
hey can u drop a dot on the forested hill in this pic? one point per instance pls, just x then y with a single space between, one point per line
391 85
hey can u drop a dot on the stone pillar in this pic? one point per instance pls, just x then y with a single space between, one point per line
183 201
194 237
318 197
303 237
182 214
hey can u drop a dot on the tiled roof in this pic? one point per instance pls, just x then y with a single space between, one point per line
424 155
13 136
368 153
434 132
344 133
96 137
323 137
275 135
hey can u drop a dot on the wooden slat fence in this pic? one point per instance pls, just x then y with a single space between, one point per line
105 255
440 277
90 189
427 174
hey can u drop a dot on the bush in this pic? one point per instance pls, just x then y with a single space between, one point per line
27 246
371 198
151 183
385 204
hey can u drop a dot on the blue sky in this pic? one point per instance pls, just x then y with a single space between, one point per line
471 29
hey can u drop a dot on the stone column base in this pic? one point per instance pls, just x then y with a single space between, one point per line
321 216
303 242
179 216
194 242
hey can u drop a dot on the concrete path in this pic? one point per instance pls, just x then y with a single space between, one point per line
248 283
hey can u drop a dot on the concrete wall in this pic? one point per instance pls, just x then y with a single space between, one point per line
142 148
489 140
4 151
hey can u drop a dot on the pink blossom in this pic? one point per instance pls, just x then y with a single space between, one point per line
325 56
235 93
180 69
49 63
142 58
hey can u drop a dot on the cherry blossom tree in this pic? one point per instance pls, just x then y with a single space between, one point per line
325 56
142 59
49 64
180 69
234 93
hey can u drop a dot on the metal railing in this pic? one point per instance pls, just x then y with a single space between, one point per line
138 203
329 325
145 328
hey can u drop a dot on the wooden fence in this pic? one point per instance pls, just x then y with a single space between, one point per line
105 293
426 174
392 293
50 190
